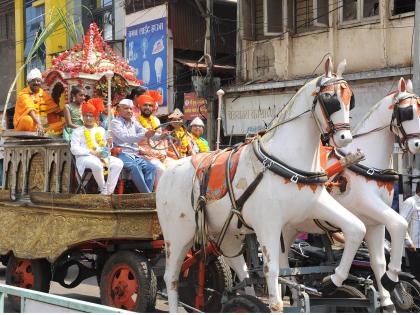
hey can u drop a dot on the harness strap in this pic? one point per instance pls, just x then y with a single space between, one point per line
325 229
280 168
237 204
201 233
386 175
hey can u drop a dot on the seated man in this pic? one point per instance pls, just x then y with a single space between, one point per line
126 134
146 103
89 146
35 109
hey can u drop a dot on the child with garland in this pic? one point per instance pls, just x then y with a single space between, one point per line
200 145
89 146
182 138
72 112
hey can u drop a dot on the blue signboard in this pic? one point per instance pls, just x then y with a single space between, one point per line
147 52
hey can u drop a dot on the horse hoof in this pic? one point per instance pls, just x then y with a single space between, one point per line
388 309
327 286
387 283
276 308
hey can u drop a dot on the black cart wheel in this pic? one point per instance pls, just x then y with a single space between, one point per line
34 274
245 304
347 291
128 282
218 279
406 295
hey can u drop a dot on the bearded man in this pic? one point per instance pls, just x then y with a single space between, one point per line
147 105
35 109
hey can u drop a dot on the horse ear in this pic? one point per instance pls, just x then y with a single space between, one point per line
402 85
341 67
410 86
328 67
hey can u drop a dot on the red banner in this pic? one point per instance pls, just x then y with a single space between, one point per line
194 106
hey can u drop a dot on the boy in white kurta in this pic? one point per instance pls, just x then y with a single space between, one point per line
89 146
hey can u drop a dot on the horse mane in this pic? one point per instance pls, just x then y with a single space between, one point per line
285 111
368 114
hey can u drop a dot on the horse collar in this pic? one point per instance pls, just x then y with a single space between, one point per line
386 175
282 169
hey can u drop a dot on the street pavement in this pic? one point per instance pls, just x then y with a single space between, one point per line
87 291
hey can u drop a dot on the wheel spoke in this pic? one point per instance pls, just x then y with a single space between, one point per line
24 274
123 275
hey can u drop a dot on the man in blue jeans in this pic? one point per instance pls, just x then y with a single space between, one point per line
126 134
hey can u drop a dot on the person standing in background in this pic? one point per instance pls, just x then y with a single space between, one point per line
410 210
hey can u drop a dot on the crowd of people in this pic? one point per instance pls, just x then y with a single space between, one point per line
140 144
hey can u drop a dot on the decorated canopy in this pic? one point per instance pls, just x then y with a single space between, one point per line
85 65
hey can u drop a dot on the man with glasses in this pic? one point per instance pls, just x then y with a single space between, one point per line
126 134
35 109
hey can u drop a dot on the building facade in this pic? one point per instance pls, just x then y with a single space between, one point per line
282 43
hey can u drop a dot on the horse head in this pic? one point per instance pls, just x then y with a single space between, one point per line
333 100
405 122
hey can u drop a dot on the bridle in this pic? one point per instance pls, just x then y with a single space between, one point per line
401 114
329 104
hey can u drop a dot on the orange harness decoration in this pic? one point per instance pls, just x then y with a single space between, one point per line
217 184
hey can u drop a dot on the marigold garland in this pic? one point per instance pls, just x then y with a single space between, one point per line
91 146
180 135
145 123
42 107
202 145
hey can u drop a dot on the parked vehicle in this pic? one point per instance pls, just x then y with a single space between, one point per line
406 295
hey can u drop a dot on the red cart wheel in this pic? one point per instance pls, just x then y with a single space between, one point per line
34 274
245 304
218 279
128 282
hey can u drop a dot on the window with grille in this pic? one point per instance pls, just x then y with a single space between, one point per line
358 10
310 15
273 17
402 6
7 26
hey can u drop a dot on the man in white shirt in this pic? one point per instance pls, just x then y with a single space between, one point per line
89 146
410 210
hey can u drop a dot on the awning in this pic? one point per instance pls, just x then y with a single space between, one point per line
202 66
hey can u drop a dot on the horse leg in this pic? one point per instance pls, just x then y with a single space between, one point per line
289 236
176 247
397 227
375 235
328 209
269 238
230 246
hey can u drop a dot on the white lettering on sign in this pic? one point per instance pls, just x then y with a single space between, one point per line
250 114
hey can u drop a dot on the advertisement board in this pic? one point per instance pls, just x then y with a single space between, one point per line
147 52
194 106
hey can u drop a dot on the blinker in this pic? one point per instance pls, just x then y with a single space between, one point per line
405 113
330 103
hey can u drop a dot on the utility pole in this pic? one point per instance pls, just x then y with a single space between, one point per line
209 82
416 56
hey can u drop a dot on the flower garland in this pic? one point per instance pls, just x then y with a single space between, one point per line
91 146
180 135
76 60
42 107
145 123
202 145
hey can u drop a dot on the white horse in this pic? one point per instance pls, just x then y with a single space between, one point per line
317 108
395 115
